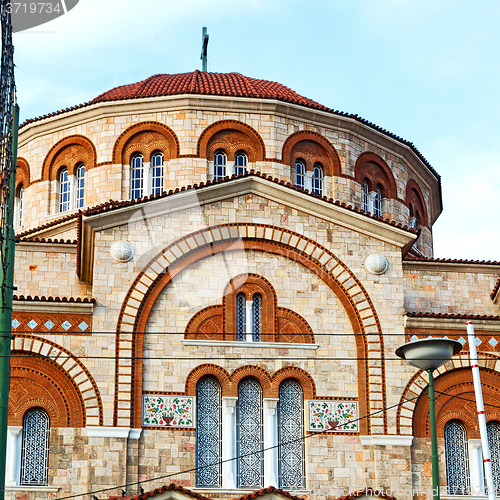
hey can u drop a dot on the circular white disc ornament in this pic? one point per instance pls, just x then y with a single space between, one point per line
122 251
376 263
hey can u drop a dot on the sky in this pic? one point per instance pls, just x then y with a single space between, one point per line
426 70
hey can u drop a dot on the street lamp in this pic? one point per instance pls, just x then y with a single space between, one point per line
429 354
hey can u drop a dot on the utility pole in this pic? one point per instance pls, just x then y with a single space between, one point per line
6 299
204 49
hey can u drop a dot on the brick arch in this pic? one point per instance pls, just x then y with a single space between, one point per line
75 371
183 252
454 378
208 370
299 375
69 152
374 168
22 173
291 152
415 197
255 372
259 148
39 382
170 143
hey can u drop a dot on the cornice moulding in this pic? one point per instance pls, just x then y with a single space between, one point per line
458 324
385 440
416 265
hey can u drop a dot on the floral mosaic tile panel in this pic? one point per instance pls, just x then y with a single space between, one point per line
332 415
168 411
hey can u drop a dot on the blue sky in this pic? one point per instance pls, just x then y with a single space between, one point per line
427 70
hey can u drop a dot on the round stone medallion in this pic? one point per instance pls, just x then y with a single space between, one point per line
122 251
376 263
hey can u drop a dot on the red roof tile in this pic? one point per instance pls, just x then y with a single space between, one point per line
270 489
46 226
452 261
451 316
496 289
36 298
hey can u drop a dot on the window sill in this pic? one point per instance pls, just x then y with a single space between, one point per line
240 492
46 489
267 345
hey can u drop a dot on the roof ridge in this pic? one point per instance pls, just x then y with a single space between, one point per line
451 261
452 315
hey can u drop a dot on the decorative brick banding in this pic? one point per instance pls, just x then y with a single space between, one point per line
248 236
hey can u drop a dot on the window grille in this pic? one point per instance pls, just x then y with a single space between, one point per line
256 317
290 434
493 430
457 460
157 174
249 434
377 206
366 194
317 180
241 316
220 161
208 433
240 163
300 174
35 448
136 177
80 186
63 191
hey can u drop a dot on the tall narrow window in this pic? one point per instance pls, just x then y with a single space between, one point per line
208 433
18 208
157 173
457 469
300 174
63 190
220 161
290 435
377 203
249 434
240 163
366 194
35 448
317 180
241 314
136 177
80 186
256 317
493 429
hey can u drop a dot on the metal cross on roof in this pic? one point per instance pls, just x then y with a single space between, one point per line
204 49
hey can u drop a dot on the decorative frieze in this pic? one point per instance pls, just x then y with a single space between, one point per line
168 411
332 415
39 323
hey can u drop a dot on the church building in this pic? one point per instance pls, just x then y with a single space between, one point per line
213 274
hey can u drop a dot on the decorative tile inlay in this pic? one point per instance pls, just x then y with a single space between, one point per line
462 340
52 322
83 326
66 325
492 342
48 324
477 342
168 411
332 415
15 323
32 323
413 338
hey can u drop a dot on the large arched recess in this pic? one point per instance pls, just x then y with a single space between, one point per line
249 236
455 398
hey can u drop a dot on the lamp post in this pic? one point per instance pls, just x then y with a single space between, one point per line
429 354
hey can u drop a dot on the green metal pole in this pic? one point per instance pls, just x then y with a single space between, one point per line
434 460
6 312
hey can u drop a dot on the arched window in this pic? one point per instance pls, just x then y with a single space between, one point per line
64 200
220 162
317 180
493 430
249 436
457 468
366 197
136 176
156 173
240 163
80 186
290 435
35 448
208 433
300 174
377 202
18 207
249 318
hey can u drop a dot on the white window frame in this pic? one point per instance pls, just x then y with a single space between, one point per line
251 331
156 164
317 180
136 165
18 207
80 186
219 154
64 183
300 176
240 163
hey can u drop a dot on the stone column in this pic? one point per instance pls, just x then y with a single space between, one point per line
270 441
13 458
476 467
229 442
308 180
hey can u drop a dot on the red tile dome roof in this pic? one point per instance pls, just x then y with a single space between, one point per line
198 82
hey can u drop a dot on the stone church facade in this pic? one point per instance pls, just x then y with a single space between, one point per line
213 274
